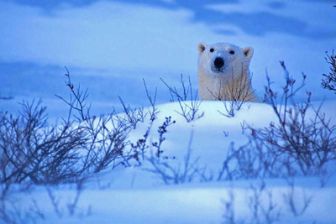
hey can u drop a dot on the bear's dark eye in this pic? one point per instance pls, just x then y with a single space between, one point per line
231 52
212 50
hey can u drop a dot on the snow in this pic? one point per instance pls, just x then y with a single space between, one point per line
110 46
188 204
134 195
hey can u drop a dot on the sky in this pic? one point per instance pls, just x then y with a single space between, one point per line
111 46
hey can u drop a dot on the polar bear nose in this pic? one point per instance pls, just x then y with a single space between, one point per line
219 62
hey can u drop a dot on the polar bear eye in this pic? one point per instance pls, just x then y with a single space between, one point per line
231 52
212 50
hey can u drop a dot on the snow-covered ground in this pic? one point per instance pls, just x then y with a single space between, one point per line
190 203
111 46
135 195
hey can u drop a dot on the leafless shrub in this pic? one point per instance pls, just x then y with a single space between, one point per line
329 80
152 102
33 151
303 142
187 100
292 199
131 116
171 171
234 95
105 135
141 146
122 125
264 211
162 130
249 162
55 202
261 206
12 212
69 206
40 153
77 99
229 216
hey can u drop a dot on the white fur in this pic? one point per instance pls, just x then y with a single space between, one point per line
215 83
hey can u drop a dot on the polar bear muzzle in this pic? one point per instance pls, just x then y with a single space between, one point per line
218 63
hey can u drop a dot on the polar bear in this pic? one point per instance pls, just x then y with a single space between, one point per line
223 72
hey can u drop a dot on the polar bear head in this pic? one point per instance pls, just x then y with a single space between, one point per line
223 59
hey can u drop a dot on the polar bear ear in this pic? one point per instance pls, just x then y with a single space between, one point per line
248 52
201 47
